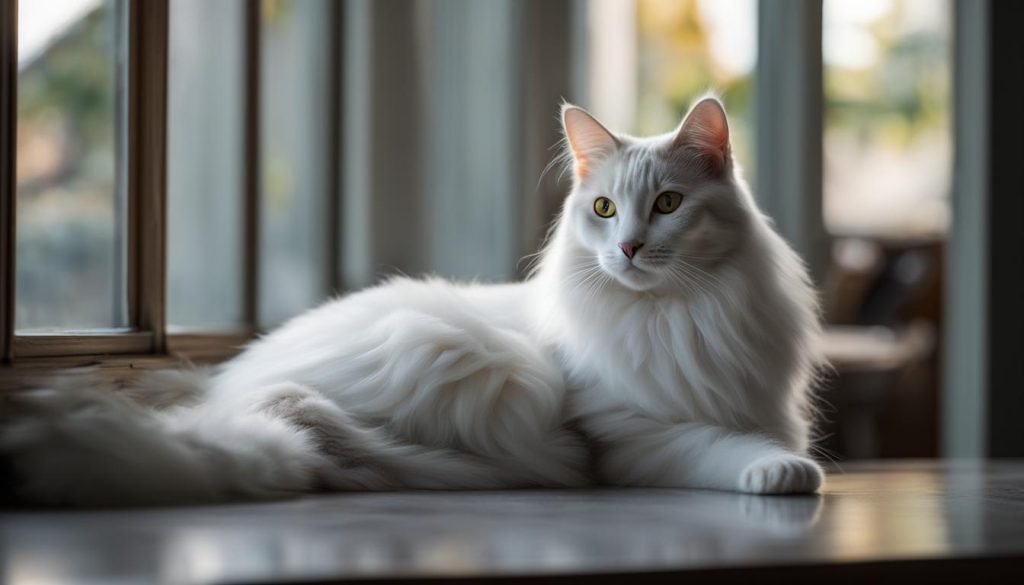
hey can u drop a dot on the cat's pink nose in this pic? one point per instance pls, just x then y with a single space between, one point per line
630 248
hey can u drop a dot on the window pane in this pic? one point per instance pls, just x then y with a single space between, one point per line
71 204
470 137
675 50
887 117
295 61
205 164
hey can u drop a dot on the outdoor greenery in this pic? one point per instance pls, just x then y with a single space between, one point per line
67 224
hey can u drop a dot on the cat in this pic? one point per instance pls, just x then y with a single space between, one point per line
666 337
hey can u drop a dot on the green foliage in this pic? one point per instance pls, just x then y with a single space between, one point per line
67 119
75 80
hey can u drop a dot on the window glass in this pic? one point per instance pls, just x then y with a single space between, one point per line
468 142
651 59
887 117
205 160
70 186
294 157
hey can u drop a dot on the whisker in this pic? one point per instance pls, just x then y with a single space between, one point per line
687 272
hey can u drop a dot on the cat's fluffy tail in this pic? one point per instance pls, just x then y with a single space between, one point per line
87 443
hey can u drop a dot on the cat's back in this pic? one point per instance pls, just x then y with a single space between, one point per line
398 321
438 363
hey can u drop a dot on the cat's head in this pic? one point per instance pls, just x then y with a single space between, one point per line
660 212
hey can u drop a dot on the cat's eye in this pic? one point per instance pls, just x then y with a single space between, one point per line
667 202
604 207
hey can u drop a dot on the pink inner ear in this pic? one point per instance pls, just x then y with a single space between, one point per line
588 139
705 131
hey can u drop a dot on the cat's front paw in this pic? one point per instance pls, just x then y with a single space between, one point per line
781 474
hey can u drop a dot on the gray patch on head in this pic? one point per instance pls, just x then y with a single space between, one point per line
641 174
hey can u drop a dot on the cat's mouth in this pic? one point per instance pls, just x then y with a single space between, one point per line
634 276
631 267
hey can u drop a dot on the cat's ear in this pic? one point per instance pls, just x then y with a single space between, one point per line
705 133
588 140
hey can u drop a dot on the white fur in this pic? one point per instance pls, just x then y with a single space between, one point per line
687 366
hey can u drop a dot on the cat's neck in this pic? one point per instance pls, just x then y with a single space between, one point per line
566 303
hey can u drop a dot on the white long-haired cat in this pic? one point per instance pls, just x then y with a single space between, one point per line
667 338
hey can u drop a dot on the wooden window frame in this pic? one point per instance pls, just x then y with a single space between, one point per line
148 342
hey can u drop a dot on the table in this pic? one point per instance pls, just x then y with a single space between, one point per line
904 521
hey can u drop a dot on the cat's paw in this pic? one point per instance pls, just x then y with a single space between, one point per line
781 474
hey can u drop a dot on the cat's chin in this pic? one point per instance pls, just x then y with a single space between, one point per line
636 279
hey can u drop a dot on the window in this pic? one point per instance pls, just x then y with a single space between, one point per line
71 206
147 218
296 161
206 165
886 182
887 139
675 50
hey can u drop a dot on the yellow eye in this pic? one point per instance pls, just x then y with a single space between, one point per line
667 202
604 207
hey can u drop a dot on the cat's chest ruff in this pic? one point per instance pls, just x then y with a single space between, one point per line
636 334
647 354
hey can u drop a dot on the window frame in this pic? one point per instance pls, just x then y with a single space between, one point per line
788 126
145 192
8 184
148 341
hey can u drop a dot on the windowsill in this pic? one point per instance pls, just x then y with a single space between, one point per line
31 372
183 349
